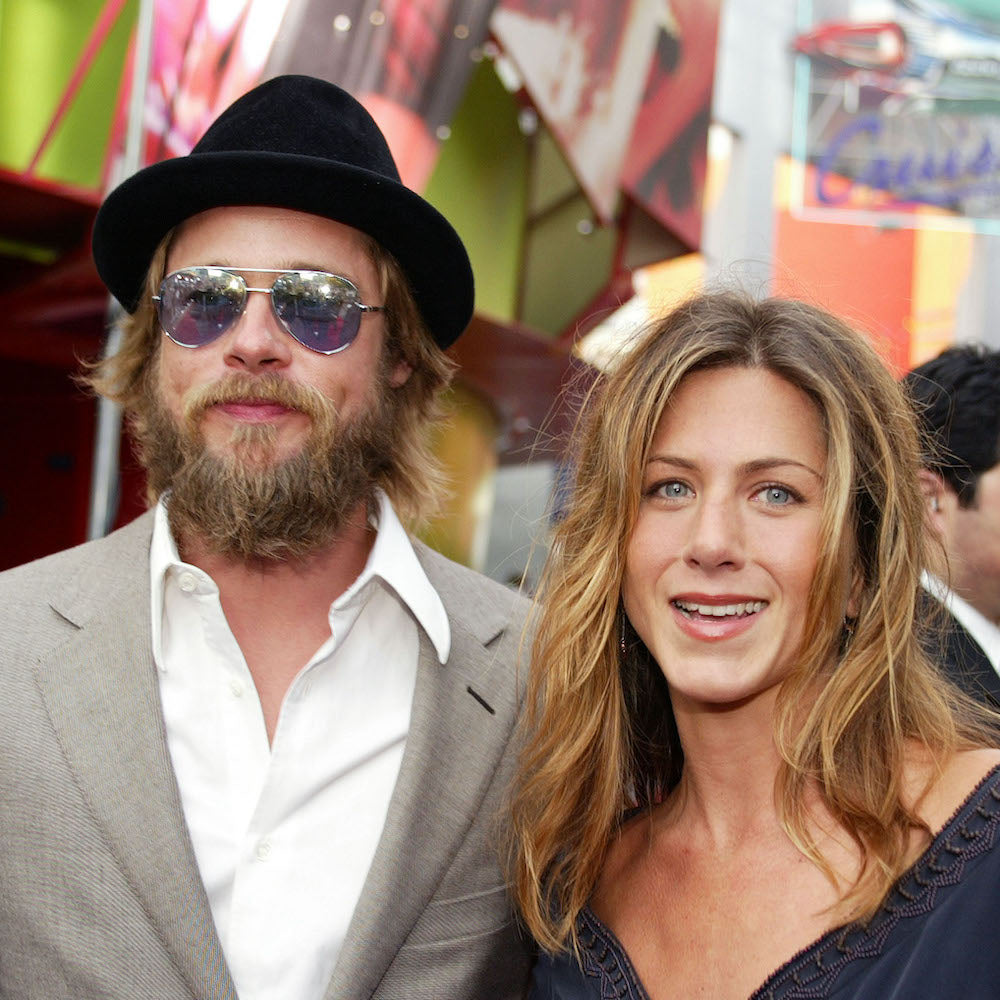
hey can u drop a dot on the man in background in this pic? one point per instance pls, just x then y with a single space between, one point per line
957 398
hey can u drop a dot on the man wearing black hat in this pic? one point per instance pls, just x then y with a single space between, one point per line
957 397
256 743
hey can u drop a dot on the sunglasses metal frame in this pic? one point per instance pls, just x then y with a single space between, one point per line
238 272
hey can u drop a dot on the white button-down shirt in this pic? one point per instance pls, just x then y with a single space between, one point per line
284 834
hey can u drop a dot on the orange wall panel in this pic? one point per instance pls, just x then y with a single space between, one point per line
862 273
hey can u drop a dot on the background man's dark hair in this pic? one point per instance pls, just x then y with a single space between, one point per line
957 397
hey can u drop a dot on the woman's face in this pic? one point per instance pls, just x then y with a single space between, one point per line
727 539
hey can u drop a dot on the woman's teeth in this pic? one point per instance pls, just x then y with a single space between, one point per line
721 610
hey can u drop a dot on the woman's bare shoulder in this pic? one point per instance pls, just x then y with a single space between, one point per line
948 783
628 846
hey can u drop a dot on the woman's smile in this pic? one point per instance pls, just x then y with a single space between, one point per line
712 619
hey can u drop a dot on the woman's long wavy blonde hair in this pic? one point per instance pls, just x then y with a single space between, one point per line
599 731
412 476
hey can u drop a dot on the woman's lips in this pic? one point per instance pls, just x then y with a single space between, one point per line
716 618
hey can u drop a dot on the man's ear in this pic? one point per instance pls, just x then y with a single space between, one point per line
934 492
400 374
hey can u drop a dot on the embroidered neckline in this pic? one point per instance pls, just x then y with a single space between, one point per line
971 832
606 960
811 973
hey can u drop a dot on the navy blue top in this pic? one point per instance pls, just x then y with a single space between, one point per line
936 937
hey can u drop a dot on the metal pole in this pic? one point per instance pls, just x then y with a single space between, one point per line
105 476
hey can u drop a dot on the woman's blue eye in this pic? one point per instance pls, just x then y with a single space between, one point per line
776 495
674 490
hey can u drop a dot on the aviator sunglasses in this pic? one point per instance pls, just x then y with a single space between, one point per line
322 311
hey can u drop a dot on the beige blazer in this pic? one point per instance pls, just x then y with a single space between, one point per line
100 895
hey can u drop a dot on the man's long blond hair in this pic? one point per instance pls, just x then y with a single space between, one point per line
599 730
412 478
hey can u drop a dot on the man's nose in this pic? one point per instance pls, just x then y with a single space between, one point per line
257 340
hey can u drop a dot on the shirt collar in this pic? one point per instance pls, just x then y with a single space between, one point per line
163 557
985 632
392 561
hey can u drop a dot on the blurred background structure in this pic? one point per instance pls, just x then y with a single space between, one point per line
600 161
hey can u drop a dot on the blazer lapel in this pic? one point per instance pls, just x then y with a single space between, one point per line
451 754
102 695
969 666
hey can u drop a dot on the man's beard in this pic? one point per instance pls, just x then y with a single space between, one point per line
248 505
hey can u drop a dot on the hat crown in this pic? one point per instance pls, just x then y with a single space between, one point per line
299 143
301 116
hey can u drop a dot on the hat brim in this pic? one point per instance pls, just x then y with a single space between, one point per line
143 209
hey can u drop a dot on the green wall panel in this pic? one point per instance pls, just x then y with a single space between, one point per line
565 268
480 184
40 43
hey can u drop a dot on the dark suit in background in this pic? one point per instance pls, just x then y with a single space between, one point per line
968 666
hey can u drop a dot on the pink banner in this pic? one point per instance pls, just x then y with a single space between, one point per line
407 61
664 170
205 54
584 64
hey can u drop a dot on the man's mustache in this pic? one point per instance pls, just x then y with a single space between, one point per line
242 388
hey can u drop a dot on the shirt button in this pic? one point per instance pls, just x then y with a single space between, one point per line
237 687
264 849
188 582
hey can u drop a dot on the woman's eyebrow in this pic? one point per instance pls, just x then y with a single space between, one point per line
776 462
762 464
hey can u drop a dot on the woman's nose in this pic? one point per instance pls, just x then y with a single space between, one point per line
716 536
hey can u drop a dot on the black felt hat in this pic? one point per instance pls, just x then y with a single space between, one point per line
293 142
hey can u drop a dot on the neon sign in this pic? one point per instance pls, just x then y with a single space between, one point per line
946 175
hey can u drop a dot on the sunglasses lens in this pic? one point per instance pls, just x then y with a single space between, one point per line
319 310
198 304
